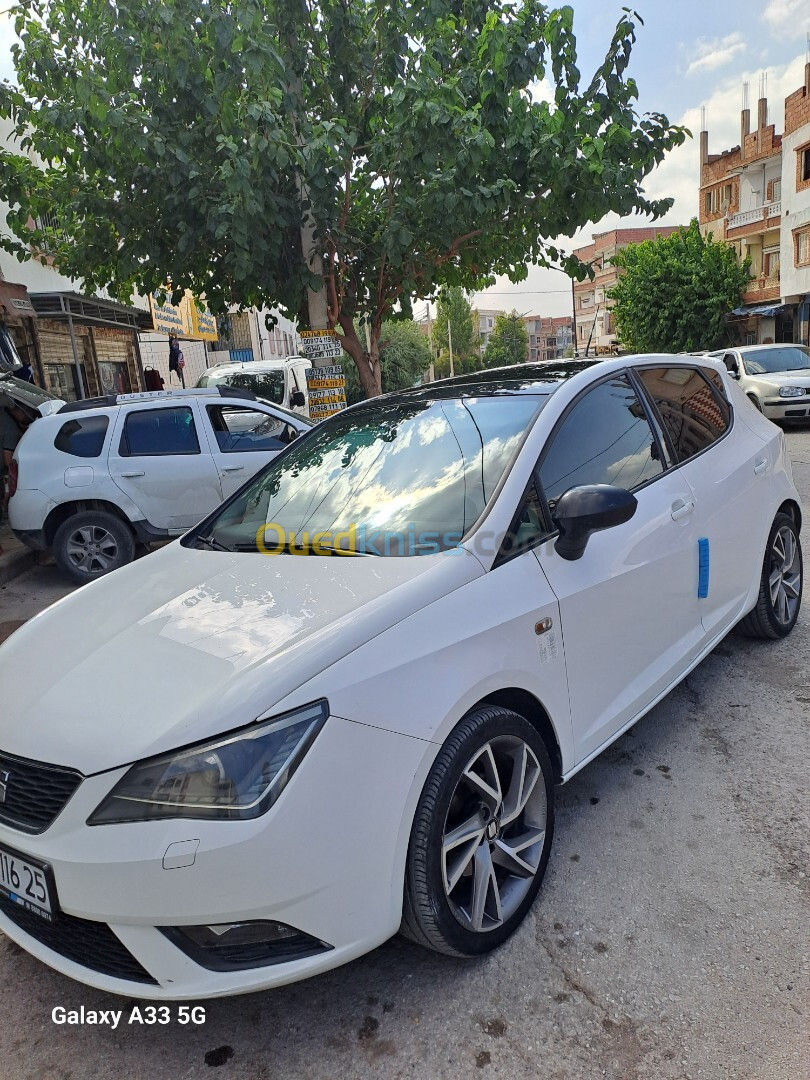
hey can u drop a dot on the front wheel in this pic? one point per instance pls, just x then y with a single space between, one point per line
481 835
93 543
780 585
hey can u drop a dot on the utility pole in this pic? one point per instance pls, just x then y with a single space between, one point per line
432 368
450 344
574 341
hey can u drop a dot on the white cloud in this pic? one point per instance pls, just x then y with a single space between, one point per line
710 55
784 14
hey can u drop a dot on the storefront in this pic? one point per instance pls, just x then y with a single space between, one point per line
88 346
17 330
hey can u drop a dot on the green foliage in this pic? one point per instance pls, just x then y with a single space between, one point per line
675 292
184 142
404 357
508 343
453 311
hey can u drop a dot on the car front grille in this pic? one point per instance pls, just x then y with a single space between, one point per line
33 793
91 944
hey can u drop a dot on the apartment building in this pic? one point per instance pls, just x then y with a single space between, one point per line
549 336
595 329
756 197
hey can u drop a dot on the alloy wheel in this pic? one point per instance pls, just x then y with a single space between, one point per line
785 576
493 837
92 549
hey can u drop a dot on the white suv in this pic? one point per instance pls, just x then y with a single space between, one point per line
100 475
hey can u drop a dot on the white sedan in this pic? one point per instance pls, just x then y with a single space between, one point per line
339 707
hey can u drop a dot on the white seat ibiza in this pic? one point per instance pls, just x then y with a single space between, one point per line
339 707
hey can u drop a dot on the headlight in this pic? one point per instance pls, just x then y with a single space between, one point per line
791 391
234 777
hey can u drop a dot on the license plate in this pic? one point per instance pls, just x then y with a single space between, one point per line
27 883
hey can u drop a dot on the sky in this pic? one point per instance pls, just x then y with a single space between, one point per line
688 54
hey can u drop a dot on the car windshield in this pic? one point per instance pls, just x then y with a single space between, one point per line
268 385
398 477
770 361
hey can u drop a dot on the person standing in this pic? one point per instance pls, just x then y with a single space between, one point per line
176 359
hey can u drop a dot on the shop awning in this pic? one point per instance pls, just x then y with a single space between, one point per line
767 310
14 300
90 311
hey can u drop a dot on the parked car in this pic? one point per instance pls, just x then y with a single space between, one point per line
97 476
32 399
776 378
340 705
279 382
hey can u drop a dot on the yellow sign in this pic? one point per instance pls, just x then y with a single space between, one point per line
185 319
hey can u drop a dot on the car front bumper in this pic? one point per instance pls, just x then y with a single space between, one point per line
327 859
777 408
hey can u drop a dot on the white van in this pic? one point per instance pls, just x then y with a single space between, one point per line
280 382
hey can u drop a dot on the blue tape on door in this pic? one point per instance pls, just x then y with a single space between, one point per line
703 568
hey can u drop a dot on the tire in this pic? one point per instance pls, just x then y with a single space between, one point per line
780 584
442 909
755 402
91 544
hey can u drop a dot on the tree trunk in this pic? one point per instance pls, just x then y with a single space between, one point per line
367 361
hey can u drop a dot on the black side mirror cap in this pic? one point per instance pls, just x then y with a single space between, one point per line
297 399
588 509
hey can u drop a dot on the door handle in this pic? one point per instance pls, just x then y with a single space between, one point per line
680 509
130 475
760 466
232 468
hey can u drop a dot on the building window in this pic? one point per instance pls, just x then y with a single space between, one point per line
804 163
776 192
770 263
801 240
49 224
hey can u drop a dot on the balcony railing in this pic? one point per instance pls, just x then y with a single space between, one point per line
759 213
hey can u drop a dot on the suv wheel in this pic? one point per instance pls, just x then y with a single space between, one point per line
780 584
481 835
91 544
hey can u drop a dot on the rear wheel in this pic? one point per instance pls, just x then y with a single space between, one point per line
481 836
780 586
91 544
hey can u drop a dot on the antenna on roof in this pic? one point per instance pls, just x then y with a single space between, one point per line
746 91
807 49
703 118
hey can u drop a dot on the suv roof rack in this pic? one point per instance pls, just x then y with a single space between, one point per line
157 395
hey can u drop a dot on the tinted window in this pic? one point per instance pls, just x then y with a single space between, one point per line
405 477
238 430
82 438
604 439
692 414
529 525
159 431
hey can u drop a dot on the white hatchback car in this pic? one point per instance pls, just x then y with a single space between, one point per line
97 476
340 705
776 378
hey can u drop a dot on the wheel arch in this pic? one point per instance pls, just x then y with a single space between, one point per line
793 510
66 510
530 708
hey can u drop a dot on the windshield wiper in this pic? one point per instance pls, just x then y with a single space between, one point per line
211 543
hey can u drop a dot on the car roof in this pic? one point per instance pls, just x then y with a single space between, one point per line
158 397
537 378
276 364
765 347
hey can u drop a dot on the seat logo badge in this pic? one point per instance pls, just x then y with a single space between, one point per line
4 779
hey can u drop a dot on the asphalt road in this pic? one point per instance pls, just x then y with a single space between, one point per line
671 939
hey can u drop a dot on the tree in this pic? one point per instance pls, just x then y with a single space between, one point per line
209 145
508 342
675 292
453 311
404 357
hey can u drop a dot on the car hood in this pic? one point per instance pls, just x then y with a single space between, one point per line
784 378
185 644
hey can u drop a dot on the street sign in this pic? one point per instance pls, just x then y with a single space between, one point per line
320 344
326 390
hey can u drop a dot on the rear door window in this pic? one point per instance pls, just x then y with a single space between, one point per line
154 432
82 437
693 413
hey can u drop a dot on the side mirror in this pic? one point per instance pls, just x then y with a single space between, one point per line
297 399
589 509
731 367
